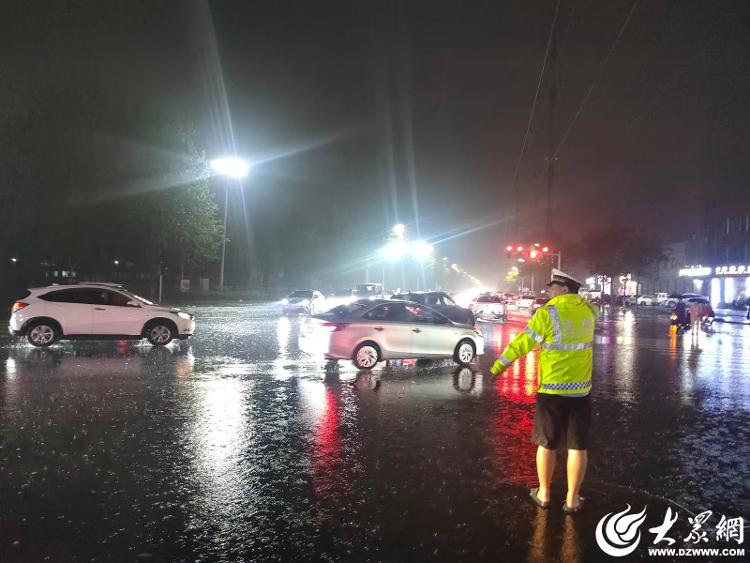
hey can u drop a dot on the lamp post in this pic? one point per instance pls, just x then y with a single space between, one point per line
235 168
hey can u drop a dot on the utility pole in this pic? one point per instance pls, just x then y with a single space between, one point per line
552 132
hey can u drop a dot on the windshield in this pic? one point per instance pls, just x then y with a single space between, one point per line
302 294
489 299
342 293
344 310
369 289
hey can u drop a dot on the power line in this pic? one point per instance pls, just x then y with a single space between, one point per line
531 114
593 84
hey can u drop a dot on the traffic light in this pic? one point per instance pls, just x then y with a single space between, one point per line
535 252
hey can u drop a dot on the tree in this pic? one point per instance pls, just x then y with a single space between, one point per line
87 179
618 250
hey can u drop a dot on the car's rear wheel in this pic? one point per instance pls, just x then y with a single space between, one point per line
464 353
160 333
42 334
366 355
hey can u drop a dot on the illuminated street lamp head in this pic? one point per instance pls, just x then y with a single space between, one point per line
231 166
394 250
399 230
421 250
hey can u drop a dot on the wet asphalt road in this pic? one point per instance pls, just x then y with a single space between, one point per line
236 447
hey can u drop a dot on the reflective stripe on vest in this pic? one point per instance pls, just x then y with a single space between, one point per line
557 343
555 323
567 386
538 337
581 346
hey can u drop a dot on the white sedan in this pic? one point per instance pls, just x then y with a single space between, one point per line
647 300
368 332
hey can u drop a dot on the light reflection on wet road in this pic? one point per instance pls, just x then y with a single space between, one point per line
236 446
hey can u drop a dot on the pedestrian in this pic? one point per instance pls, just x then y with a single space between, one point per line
564 327
707 312
681 311
696 315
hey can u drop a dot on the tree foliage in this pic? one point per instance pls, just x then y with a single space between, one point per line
617 250
86 179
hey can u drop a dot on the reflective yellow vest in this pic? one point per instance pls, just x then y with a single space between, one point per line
564 327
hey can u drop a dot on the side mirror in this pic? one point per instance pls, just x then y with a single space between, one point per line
132 303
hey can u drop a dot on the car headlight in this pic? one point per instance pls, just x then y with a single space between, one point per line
304 302
184 315
285 301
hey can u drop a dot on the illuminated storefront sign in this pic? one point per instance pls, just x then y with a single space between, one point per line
703 271
731 270
695 271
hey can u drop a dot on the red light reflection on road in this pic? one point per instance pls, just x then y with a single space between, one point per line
327 435
519 382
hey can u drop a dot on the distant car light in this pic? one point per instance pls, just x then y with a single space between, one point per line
285 301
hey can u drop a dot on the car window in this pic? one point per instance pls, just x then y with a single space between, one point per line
89 297
424 315
433 299
394 312
447 300
489 299
302 294
115 299
343 310
60 296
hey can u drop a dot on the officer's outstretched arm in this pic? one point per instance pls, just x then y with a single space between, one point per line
531 337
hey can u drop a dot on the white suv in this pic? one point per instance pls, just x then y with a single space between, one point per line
98 310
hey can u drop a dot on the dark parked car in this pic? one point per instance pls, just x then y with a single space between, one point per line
440 302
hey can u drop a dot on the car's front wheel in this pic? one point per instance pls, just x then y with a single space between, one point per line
42 334
160 333
464 353
366 355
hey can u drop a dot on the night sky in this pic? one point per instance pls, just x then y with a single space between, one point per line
416 111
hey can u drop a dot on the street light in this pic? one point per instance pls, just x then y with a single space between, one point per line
421 250
231 167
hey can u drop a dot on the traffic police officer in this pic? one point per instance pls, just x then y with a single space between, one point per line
564 327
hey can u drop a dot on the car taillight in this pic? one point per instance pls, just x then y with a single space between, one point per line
17 306
334 327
